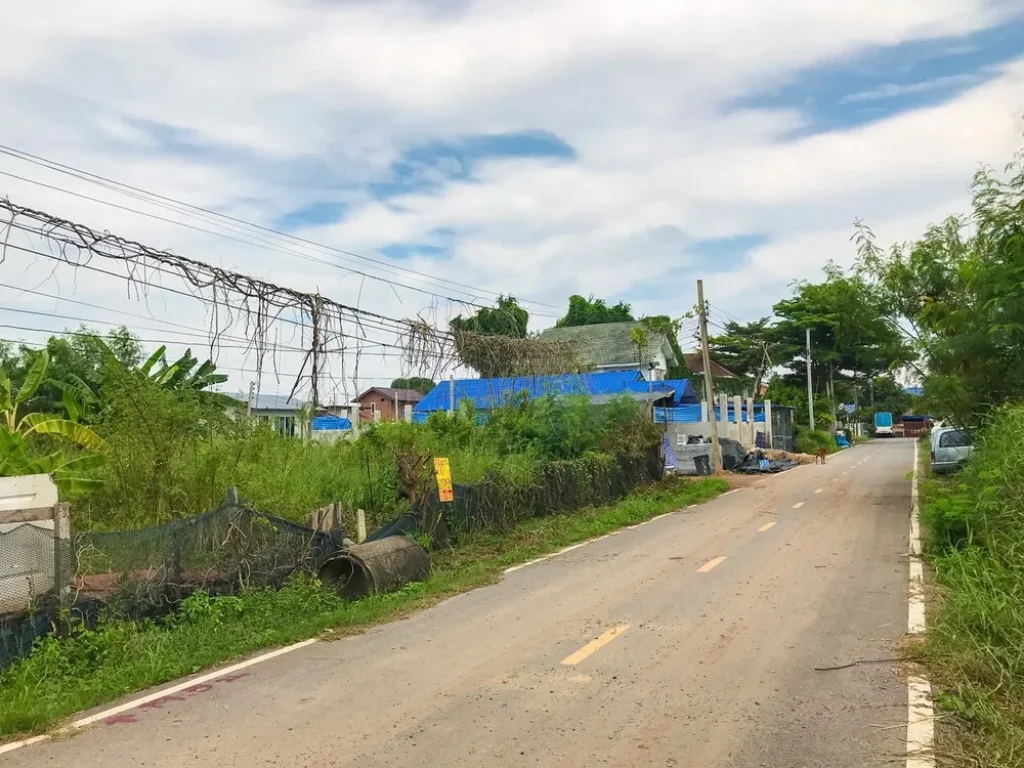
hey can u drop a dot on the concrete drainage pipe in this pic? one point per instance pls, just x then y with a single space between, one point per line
376 567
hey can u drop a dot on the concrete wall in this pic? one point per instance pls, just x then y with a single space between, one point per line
744 431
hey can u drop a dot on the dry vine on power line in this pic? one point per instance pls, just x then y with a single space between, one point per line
259 304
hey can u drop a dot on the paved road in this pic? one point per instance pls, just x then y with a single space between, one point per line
689 641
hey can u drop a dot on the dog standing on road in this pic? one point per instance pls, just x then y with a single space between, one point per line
820 455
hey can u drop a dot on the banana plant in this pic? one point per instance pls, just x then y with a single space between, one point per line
182 373
18 453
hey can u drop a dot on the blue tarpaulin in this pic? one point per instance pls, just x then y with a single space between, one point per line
486 394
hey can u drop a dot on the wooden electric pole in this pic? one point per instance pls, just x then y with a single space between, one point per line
709 389
810 387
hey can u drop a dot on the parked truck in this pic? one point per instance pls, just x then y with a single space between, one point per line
883 424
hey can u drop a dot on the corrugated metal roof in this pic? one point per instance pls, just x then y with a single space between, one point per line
328 422
493 393
609 344
268 402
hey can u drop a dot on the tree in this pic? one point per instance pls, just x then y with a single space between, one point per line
669 328
594 312
487 358
957 295
415 383
25 437
76 355
747 349
182 373
852 340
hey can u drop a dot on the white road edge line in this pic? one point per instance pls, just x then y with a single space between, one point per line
571 547
23 743
140 701
920 712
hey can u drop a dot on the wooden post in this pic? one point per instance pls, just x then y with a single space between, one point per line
360 526
61 557
335 515
716 454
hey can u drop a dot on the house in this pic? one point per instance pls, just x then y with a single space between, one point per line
286 415
601 386
387 401
280 411
612 347
695 362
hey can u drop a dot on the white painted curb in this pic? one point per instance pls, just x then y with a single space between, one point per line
920 711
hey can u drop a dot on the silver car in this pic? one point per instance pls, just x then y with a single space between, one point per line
951 447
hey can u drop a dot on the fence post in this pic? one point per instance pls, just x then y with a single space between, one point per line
768 423
360 526
61 557
336 515
750 422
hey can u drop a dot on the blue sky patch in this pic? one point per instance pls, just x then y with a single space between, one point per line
724 254
884 81
314 214
429 166
439 244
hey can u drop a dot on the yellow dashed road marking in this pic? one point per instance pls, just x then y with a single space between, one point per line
711 564
766 526
594 646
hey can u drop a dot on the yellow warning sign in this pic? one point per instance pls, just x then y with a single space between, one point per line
443 470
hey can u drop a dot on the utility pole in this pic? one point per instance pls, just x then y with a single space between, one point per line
316 350
810 388
709 390
252 397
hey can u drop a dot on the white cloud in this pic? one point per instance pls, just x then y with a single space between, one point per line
303 102
894 90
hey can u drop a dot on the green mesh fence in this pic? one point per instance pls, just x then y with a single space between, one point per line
145 573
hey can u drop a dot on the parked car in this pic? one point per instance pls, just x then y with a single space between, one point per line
951 447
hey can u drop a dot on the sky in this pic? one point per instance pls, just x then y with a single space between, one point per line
439 152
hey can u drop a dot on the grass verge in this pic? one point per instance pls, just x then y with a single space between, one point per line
67 675
974 647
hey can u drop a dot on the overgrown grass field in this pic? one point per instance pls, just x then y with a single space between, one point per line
975 641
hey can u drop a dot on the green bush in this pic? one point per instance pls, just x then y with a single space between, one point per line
808 441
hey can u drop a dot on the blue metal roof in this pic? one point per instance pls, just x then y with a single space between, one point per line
330 423
493 393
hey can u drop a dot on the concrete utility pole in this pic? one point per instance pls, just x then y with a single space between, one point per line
252 397
709 391
810 390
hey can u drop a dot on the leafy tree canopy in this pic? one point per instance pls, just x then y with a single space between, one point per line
80 355
415 383
747 349
594 312
506 319
956 295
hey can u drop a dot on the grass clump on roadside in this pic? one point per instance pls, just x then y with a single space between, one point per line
975 641
91 666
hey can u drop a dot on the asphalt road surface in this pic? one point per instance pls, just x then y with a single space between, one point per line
692 640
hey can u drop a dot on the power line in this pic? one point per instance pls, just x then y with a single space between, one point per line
177 206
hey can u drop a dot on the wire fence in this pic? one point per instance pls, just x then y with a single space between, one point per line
133 575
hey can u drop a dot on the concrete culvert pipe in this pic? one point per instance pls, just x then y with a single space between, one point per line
376 567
